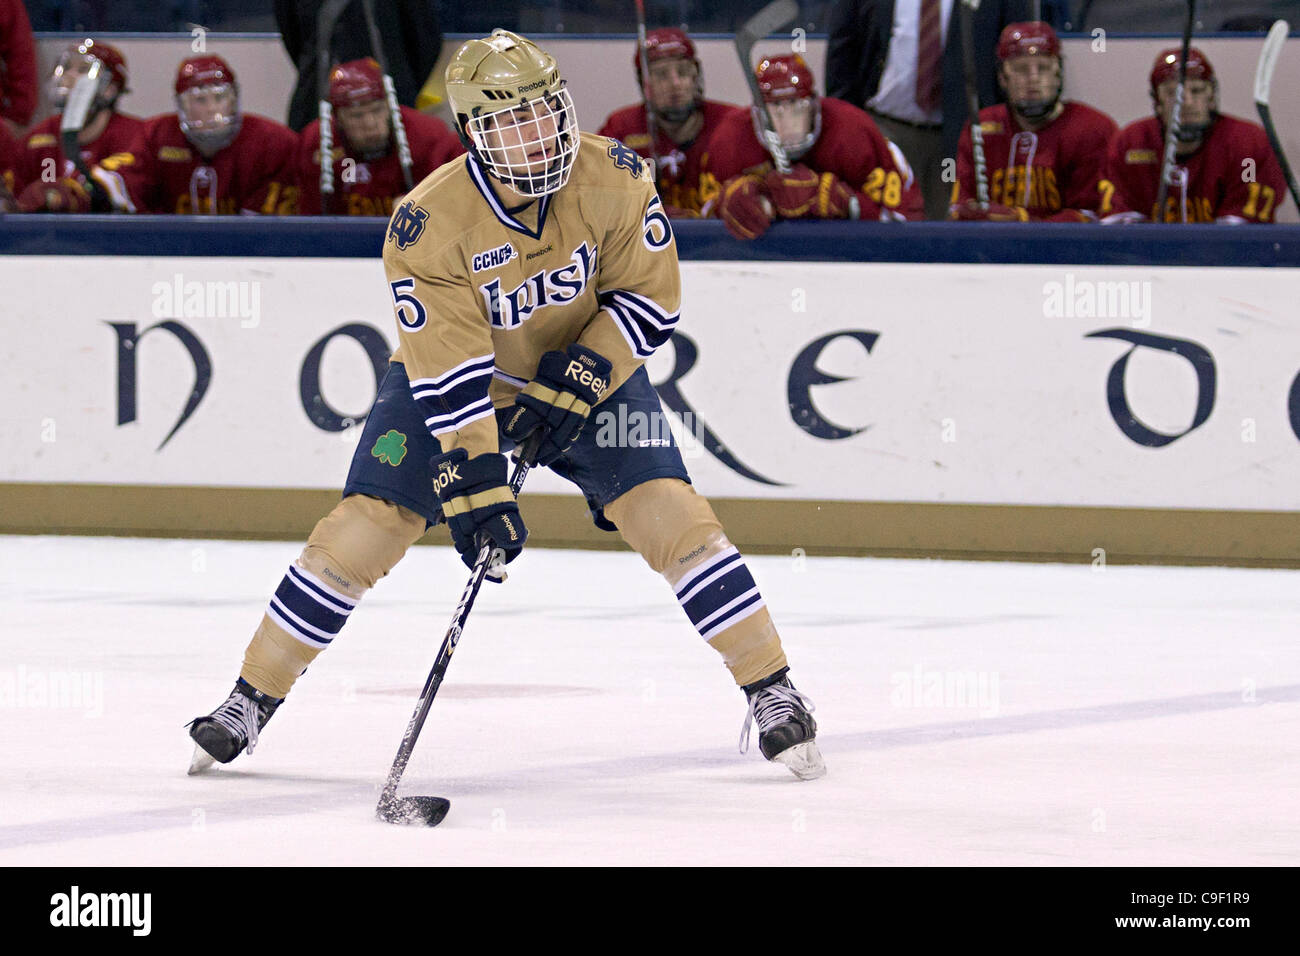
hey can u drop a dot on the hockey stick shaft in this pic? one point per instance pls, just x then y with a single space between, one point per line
652 127
1175 117
968 8
326 18
778 15
1268 58
390 93
449 641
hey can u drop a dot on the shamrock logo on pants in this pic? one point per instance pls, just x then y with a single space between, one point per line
390 448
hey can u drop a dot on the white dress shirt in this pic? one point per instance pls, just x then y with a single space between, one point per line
897 94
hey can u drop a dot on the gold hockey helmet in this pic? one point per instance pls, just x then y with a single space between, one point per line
514 111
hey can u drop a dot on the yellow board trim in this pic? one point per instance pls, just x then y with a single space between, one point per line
761 526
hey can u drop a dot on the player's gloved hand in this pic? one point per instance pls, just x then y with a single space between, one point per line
558 400
63 195
743 207
476 499
804 194
970 211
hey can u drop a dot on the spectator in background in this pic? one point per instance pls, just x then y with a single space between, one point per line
408 30
684 120
891 57
842 166
42 172
372 182
17 67
1224 171
209 157
1044 157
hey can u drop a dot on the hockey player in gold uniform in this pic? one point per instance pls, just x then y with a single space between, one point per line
530 279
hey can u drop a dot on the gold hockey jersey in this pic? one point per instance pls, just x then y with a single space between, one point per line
482 291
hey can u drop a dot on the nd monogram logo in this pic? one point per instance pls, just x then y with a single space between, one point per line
625 157
407 224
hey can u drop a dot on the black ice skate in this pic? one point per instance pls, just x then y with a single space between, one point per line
786 730
225 733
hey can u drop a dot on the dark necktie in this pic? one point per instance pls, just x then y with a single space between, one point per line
929 57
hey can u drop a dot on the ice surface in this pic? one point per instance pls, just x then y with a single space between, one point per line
971 713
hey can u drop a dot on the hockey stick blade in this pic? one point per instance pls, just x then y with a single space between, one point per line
778 15
1268 58
773 17
413 811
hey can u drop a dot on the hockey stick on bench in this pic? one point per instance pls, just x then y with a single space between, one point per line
778 15
423 810
1263 82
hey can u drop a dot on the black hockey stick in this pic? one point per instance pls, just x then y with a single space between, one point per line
1175 117
1268 58
390 91
776 16
968 8
651 126
326 18
429 811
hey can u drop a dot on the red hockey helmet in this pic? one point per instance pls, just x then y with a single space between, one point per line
1028 39
670 43
1166 67
789 89
666 43
1025 92
785 77
77 59
355 82
207 103
204 71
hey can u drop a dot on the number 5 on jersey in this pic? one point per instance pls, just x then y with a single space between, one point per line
413 320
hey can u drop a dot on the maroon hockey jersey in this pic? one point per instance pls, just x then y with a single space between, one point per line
680 166
370 188
162 172
850 145
1233 177
1053 173
42 153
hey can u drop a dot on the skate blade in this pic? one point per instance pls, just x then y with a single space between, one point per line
201 761
804 760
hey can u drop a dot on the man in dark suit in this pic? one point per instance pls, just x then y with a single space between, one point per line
408 29
902 61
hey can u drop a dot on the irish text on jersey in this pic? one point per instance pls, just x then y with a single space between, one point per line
554 287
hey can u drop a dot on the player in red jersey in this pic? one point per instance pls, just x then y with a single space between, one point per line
842 166
208 157
9 152
684 119
367 174
44 178
1044 157
1224 171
